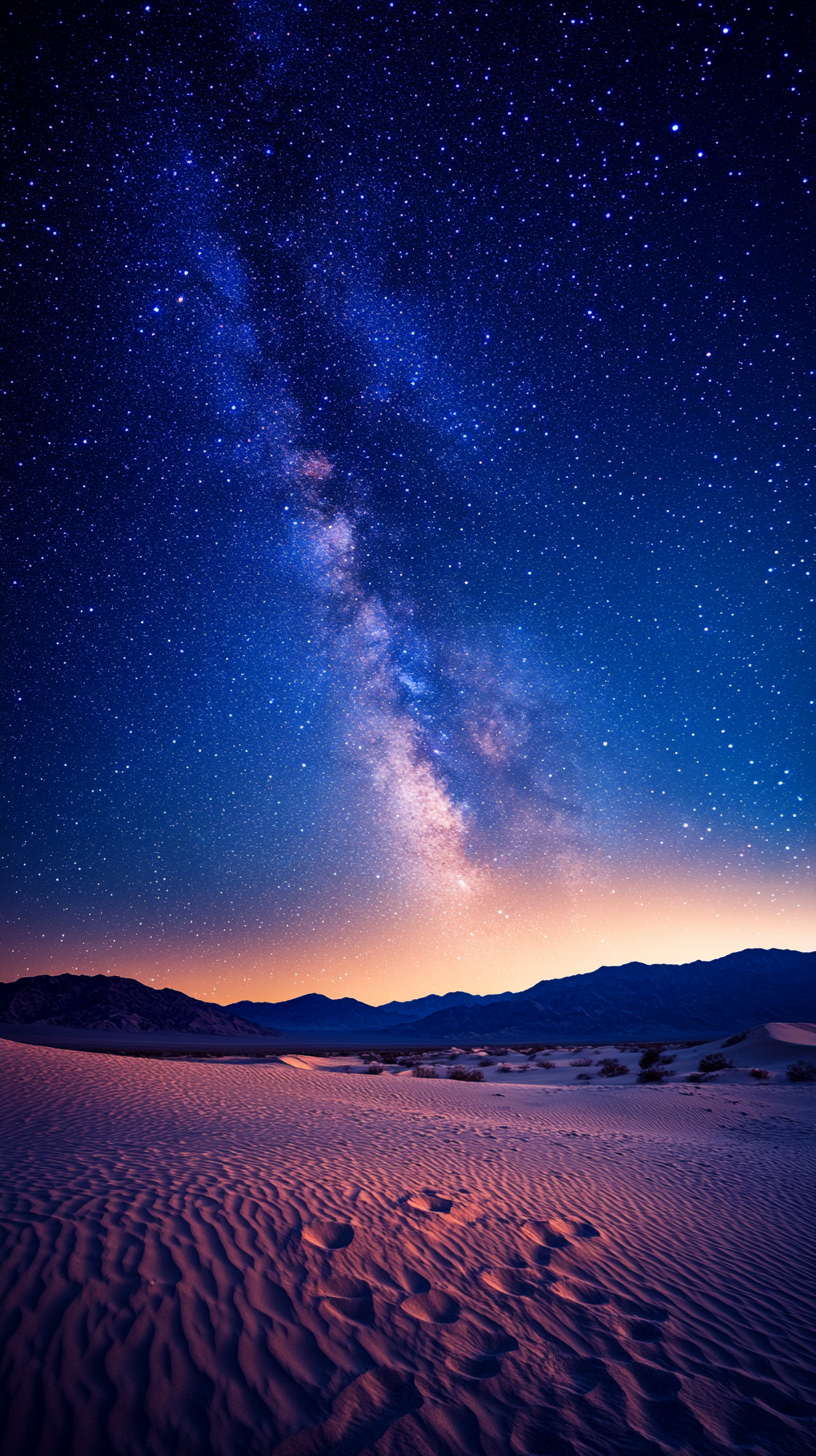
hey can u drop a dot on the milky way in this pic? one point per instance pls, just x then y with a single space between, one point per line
408 537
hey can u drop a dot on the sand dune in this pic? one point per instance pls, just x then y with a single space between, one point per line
253 1258
800 1033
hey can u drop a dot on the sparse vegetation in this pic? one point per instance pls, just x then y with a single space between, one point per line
487 1062
462 1074
651 1074
761 1073
582 1062
650 1057
584 1077
374 1069
735 1039
611 1067
801 1071
421 1071
714 1062
546 1066
505 1067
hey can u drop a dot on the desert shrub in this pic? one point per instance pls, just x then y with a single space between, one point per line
761 1073
611 1067
462 1074
666 1061
505 1067
650 1058
651 1074
801 1071
487 1062
584 1077
714 1062
525 1067
735 1039
422 1071
582 1062
695 1077
546 1066
374 1069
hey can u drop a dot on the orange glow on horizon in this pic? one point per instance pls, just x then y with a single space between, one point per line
512 936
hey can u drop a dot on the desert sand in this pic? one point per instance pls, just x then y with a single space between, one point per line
223 1257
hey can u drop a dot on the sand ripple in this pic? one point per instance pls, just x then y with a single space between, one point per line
205 1260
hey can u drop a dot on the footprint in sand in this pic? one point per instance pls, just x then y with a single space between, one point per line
435 1307
556 1233
324 1234
541 1232
348 1299
429 1201
413 1282
508 1281
362 1413
575 1228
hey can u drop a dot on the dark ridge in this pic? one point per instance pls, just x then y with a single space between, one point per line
698 999
114 1003
322 1013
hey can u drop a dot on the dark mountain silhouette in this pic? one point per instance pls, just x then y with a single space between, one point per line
114 1003
314 1012
701 998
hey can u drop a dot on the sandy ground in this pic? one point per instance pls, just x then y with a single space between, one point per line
235 1257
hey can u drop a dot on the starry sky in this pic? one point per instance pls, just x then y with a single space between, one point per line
408 540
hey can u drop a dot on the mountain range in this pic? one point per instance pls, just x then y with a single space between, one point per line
314 1012
631 1002
701 998
114 1003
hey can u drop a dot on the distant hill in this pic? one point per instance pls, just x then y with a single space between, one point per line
314 1012
701 998
114 1003
636 1001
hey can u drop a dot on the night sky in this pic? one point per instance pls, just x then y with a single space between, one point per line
408 541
